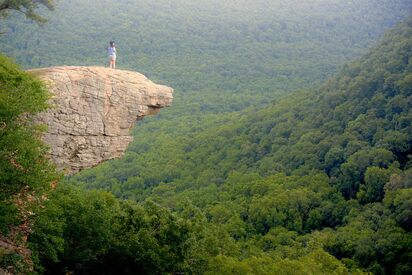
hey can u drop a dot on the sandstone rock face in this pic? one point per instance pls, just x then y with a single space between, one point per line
93 111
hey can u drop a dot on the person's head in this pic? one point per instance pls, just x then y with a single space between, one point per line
111 43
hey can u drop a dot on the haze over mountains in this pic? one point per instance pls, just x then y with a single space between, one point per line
257 49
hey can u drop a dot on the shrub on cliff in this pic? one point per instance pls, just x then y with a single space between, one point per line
25 172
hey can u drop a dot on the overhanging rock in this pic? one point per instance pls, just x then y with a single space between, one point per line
93 109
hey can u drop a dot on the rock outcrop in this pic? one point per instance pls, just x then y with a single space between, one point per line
93 111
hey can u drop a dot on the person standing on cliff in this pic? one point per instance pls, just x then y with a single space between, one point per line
112 55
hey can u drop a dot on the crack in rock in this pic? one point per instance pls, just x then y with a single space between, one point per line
94 109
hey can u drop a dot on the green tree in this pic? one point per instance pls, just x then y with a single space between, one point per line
25 171
93 232
27 7
373 240
373 189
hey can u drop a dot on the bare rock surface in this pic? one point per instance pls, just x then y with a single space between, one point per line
93 111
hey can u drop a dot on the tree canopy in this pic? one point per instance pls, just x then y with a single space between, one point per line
25 171
314 174
243 175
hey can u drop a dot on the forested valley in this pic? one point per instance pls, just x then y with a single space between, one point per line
287 149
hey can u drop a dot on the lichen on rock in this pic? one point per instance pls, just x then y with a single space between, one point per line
93 109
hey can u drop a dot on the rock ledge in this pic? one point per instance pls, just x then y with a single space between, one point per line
93 111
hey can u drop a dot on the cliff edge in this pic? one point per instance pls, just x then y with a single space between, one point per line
93 109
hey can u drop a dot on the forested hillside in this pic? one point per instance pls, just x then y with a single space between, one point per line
260 166
309 131
218 55
316 176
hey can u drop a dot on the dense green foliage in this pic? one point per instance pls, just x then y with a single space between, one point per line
359 118
346 147
92 232
24 167
218 55
22 155
316 182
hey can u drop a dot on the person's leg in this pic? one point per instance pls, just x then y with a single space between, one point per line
114 63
